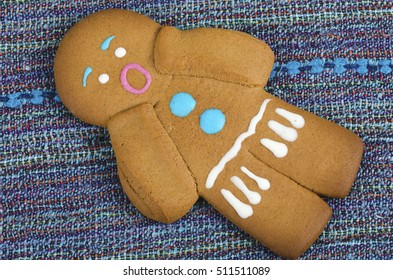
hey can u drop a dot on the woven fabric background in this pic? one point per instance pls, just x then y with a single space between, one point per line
60 194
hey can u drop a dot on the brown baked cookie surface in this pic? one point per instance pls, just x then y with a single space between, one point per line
188 117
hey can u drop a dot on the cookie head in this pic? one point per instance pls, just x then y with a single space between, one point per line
105 65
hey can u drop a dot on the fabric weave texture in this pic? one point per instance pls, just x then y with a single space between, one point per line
60 193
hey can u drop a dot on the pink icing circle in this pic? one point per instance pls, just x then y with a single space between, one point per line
124 81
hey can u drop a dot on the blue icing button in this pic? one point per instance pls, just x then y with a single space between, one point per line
182 104
212 121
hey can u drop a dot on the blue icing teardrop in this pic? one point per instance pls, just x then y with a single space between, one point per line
182 104
105 44
212 121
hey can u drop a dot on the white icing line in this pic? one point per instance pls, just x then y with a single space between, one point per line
279 149
296 120
253 197
211 178
242 209
263 183
286 133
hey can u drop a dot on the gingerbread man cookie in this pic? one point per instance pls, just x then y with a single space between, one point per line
188 117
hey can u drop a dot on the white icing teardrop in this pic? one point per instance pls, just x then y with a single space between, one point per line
296 120
120 52
286 133
242 209
103 78
263 183
279 149
253 197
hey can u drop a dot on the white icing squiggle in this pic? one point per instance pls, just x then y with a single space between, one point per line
263 183
242 209
211 178
296 120
253 197
279 149
286 133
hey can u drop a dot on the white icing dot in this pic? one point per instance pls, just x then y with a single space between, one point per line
120 52
103 78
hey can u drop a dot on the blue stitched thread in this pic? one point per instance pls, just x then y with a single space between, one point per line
13 101
3 100
57 98
385 66
317 66
293 67
275 70
36 97
372 65
304 68
329 65
339 66
362 66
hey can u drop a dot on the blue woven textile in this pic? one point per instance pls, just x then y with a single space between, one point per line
60 194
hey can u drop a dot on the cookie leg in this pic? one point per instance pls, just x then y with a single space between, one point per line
268 205
316 153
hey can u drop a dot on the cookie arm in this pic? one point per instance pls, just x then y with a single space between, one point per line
225 55
153 174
